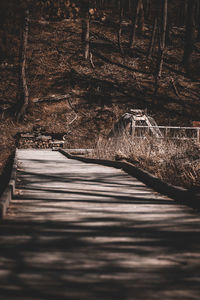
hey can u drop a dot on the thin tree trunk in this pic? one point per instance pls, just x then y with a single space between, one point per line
86 29
135 22
87 39
198 20
23 92
141 17
147 9
198 35
152 43
182 13
189 35
119 32
186 4
162 39
168 38
129 5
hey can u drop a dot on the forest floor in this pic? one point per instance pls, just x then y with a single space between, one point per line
98 94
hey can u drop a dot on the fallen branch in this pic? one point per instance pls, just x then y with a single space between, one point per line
174 87
100 37
56 99
73 120
91 61
52 98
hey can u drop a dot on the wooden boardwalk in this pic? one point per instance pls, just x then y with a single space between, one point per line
88 232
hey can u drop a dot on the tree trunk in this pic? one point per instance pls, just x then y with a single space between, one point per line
119 32
134 24
147 9
168 37
85 29
162 38
182 13
141 17
23 89
189 35
198 35
198 21
87 38
152 43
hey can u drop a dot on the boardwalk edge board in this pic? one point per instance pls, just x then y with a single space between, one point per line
179 194
9 191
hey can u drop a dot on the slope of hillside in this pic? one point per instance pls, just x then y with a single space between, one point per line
94 95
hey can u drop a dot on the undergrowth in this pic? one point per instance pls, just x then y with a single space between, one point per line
176 162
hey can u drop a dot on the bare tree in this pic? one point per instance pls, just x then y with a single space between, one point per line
162 42
162 36
198 19
119 32
86 28
23 89
189 35
138 21
141 18
136 8
153 37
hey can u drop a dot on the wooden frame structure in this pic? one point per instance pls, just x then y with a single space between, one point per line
137 124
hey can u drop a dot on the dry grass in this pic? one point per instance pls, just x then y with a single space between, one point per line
176 162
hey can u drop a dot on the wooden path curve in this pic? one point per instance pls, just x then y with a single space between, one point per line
87 232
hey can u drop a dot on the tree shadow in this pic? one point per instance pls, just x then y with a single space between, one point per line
100 92
98 256
92 233
107 60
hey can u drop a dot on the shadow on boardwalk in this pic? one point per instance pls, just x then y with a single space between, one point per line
86 260
90 235
74 260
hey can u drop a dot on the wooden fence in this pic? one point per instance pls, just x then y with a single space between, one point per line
170 132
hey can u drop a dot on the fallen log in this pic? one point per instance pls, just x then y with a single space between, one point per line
56 99
52 98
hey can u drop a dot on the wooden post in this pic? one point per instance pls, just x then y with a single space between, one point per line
166 132
196 124
133 127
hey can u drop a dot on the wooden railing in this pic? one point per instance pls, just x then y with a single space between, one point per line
171 132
